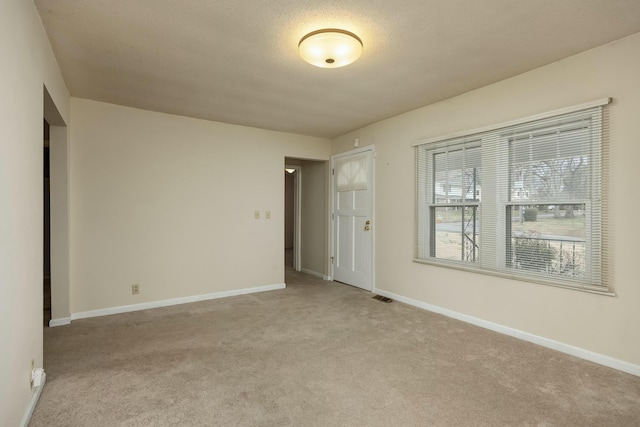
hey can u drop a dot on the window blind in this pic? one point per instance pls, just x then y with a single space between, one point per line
535 210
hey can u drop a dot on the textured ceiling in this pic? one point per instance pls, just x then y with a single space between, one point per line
236 61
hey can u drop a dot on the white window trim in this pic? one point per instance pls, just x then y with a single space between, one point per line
604 289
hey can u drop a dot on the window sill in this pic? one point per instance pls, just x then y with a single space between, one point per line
460 267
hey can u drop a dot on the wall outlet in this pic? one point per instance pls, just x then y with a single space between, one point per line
256 214
267 214
135 289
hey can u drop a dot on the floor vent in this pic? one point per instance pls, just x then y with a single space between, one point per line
383 299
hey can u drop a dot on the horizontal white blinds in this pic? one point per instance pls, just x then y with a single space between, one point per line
552 160
553 207
449 194
525 198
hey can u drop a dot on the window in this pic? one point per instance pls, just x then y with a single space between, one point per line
351 172
522 200
449 196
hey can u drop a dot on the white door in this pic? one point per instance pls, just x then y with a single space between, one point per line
353 218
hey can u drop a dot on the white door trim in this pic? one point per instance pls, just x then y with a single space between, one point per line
59 153
332 244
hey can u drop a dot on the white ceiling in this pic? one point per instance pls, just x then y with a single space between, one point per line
236 61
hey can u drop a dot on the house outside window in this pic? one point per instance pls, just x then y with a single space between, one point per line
522 201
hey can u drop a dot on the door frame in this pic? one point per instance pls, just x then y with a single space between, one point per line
59 213
297 214
332 245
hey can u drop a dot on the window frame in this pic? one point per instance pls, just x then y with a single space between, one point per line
496 199
433 204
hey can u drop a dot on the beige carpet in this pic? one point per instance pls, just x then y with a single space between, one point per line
316 354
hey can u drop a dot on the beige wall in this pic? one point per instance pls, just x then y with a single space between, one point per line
27 65
601 324
168 203
314 217
151 202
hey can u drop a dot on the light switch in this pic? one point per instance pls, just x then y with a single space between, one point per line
256 214
267 214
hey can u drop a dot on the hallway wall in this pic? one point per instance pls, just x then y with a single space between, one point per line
152 204
28 65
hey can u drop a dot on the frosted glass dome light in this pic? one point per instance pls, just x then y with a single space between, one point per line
330 48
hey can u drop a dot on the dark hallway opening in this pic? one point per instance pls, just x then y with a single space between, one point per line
46 268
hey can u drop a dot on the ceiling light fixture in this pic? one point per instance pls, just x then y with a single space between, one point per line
330 48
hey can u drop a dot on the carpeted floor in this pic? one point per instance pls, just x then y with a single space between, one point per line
316 354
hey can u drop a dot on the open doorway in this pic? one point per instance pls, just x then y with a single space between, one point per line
46 267
307 216
292 199
55 217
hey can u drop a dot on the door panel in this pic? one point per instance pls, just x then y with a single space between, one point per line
344 239
353 219
344 199
361 201
361 258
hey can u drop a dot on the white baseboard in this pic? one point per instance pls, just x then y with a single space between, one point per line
173 301
315 273
601 359
59 322
33 402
